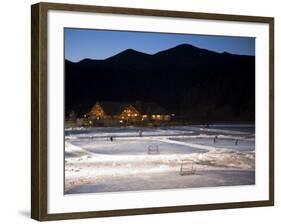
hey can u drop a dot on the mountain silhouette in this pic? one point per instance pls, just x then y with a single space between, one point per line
198 85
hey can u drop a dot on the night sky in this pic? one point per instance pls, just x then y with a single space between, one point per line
101 44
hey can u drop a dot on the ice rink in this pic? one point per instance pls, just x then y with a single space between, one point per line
106 159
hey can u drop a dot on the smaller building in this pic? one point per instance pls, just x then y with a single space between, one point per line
152 111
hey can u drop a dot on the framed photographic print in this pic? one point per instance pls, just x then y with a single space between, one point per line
139 111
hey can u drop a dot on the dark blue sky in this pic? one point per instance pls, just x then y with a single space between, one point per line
101 44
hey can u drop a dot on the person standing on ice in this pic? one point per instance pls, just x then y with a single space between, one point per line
215 139
140 133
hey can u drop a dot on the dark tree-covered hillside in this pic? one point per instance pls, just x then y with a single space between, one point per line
196 84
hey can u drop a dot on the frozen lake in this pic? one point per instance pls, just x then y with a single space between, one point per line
133 146
105 159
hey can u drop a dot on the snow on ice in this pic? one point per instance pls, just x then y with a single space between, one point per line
94 163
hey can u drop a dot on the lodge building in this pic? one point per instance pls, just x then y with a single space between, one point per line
127 112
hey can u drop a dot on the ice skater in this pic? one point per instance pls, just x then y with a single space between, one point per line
236 142
215 139
111 138
140 133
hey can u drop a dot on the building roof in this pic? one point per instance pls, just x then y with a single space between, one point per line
115 108
149 108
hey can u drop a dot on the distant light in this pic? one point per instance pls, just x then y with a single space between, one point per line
172 115
121 121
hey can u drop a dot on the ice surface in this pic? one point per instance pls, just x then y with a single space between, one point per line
93 163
